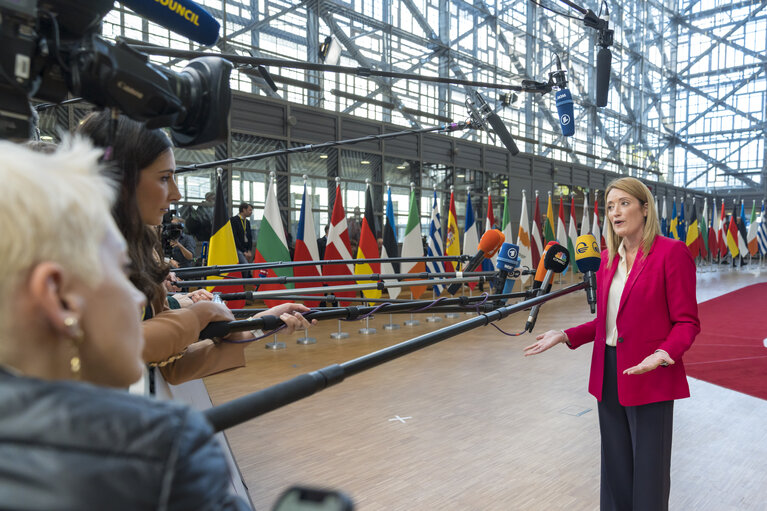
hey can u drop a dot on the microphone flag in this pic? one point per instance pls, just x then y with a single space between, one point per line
338 245
221 248
368 247
412 245
389 247
306 246
272 245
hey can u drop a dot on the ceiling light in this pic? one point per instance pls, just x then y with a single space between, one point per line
323 157
401 167
365 162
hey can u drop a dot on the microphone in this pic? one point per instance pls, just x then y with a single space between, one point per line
604 60
507 263
564 101
183 17
555 261
483 113
540 272
588 260
488 246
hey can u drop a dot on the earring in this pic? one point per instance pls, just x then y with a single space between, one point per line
77 338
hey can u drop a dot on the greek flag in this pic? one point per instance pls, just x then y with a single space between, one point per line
434 246
761 233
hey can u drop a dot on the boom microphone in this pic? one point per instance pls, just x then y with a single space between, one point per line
183 17
588 260
604 59
564 101
483 113
555 261
488 246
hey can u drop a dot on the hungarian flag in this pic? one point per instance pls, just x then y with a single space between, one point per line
434 246
721 235
389 247
523 239
272 245
338 247
742 233
595 229
489 264
549 224
368 247
470 235
672 229
585 221
692 240
732 234
562 230
572 233
536 242
753 227
221 248
412 246
506 218
306 247
452 242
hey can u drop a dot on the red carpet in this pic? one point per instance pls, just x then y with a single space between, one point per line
730 351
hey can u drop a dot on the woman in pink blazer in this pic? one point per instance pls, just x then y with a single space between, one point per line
647 317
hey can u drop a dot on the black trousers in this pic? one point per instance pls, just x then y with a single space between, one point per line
636 449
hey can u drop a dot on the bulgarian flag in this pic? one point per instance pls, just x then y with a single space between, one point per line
221 248
338 247
368 247
562 230
306 247
523 238
452 242
572 233
412 246
470 235
548 224
389 247
536 242
272 245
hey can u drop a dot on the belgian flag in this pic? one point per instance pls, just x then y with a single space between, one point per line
221 249
692 237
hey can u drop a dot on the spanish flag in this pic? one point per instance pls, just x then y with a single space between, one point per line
452 241
368 247
221 248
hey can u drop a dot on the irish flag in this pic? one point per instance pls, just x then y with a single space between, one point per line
412 246
489 264
272 245
506 218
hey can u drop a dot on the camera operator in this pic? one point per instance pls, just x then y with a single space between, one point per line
182 246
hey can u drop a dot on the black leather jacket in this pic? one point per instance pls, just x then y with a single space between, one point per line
69 445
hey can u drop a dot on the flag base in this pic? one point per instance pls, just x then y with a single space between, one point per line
367 331
433 319
412 322
275 345
306 340
392 326
339 334
451 315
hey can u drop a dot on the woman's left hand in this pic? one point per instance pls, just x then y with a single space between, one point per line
650 362
200 295
291 314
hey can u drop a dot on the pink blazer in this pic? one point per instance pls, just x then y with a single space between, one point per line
658 310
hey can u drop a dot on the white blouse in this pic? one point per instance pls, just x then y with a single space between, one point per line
614 297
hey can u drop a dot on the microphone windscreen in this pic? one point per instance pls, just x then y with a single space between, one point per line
587 255
499 128
564 102
508 257
604 61
540 272
490 242
556 259
183 17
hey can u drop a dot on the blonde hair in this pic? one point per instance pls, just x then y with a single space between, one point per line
55 207
638 190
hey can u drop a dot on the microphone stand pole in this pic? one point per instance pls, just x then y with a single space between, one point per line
258 403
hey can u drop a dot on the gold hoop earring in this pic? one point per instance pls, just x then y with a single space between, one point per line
77 339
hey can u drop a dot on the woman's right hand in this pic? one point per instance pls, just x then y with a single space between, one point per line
545 341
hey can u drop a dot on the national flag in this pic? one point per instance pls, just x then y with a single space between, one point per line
672 229
412 246
434 245
713 244
452 242
389 247
721 235
681 228
761 234
562 230
595 230
221 249
742 233
489 264
732 235
506 218
692 239
753 226
549 224
470 236
604 230
272 244
572 233
536 241
338 247
368 247
585 223
523 239
306 247
703 225
664 219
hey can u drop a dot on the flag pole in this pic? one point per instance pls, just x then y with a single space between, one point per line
275 344
306 339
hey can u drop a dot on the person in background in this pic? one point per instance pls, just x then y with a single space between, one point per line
243 236
70 313
323 242
183 247
647 317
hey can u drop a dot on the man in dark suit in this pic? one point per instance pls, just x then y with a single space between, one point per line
243 238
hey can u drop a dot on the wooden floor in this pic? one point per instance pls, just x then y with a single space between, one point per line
483 428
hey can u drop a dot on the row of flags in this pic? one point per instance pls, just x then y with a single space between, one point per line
717 238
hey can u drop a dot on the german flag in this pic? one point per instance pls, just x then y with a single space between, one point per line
368 247
221 248
732 236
